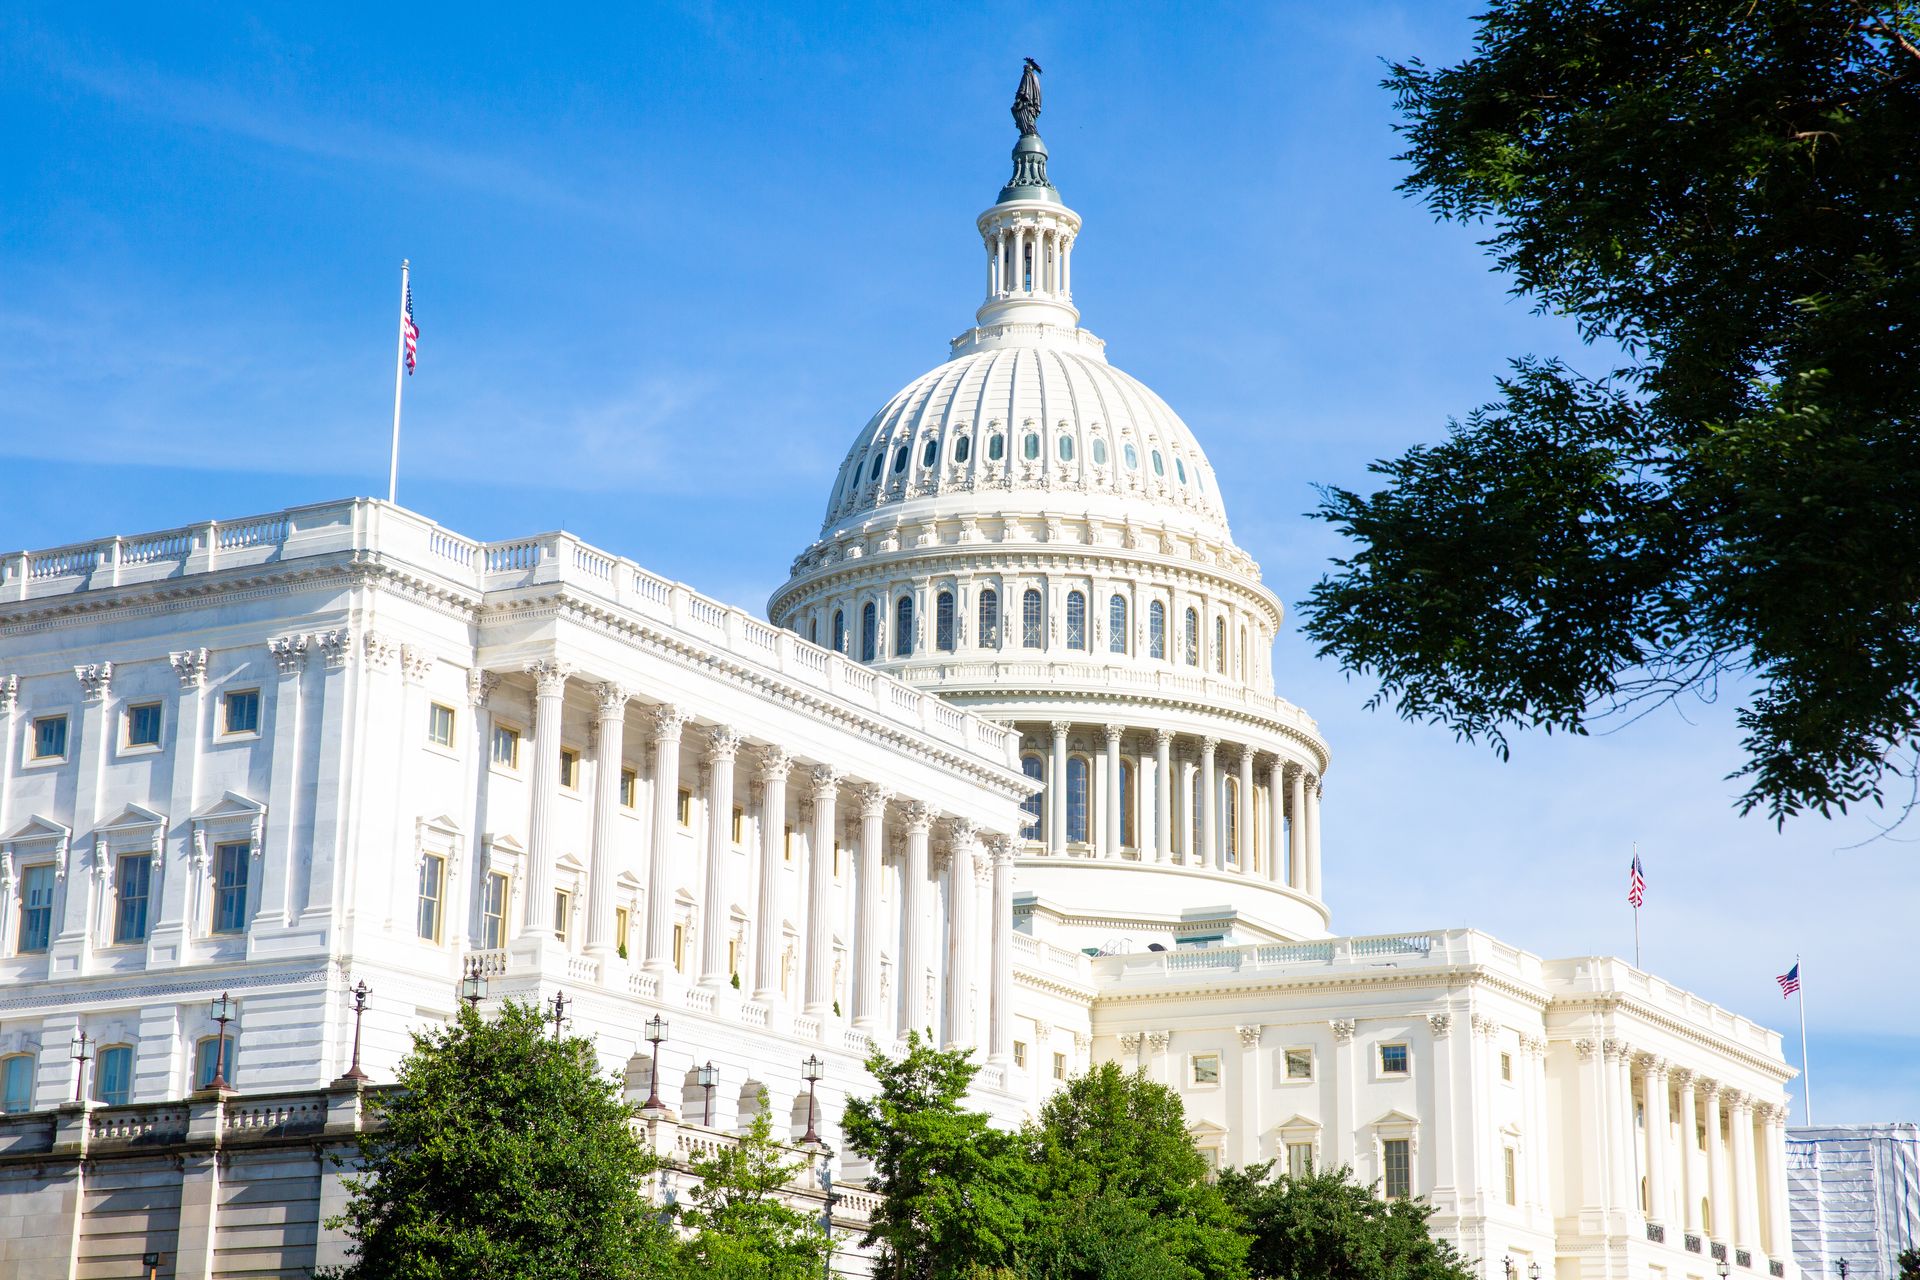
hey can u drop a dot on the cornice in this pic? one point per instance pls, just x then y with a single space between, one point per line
1225 986
1319 754
1615 1002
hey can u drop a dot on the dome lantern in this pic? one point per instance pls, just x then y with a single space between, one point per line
1029 233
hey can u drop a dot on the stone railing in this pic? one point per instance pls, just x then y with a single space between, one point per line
394 533
1608 974
300 1113
1392 950
1044 957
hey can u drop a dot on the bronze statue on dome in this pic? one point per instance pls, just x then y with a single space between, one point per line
1026 99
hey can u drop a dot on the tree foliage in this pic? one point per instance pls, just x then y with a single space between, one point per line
1724 194
739 1226
1325 1226
504 1153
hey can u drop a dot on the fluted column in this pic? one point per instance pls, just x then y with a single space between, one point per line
775 765
961 964
820 898
1313 837
913 908
1297 828
550 691
1276 822
1720 1224
1112 815
723 745
1779 1233
1162 796
668 721
1746 1190
1057 790
1210 850
1688 1176
1000 1025
610 722
1653 1083
1244 818
866 909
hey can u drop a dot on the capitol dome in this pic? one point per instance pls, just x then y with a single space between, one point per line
1033 534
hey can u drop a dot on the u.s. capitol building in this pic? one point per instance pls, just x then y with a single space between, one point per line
1009 766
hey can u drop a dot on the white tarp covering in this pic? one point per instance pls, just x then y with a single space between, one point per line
1853 1192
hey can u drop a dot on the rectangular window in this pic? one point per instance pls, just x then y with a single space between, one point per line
739 823
440 725
241 711
569 768
212 1056
1396 1168
113 1075
1059 1066
1299 1159
130 912
786 849
1513 1176
562 913
230 888
622 923
506 747
433 887
143 725
16 1083
733 957
1206 1068
36 908
629 788
50 738
680 948
1299 1064
836 862
493 912
1506 1066
1393 1059
1020 1054
683 808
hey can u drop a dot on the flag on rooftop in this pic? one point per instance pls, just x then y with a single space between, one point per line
1789 981
1636 884
411 330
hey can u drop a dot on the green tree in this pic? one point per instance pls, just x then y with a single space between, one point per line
739 1226
1325 1226
505 1153
1909 1263
952 1188
1722 197
1120 1190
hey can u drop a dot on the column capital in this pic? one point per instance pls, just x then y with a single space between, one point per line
610 700
963 832
1060 729
1611 1049
873 799
1342 1030
549 677
1158 1040
1737 1100
1681 1076
1000 846
289 653
1163 738
919 817
1209 745
1584 1047
9 694
668 721
480 687
775 765
191 666
1112 733
1710 1090
1130 1041
723 743
1249 1034
826 780
380 650
336 648
1440 1024
415 663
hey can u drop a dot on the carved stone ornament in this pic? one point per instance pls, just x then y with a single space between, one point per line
380 650
1584 1047
826 782
336 647
1157 1041
1000 845
775 765
962 834
1440 1024
191 666
1483 1025
9 694
289 653
1130 1041
873 800
1249 1036
668 721
415 663
549 677
1342 1030
920 817
94 679
723 743
609 700
480 686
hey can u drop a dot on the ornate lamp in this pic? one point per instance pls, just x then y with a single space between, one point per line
656 1034
359 993
473 987
222 1010
80 1056
811 1070
707 1077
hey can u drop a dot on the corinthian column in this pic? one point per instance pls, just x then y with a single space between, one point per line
775 765
550 690
866 909
1243 811
1653 1084
668 721
1112 815
1688 1175
610 720
1313 837
913 909
1297 828
1276 821
1211 852
1057 791
1746 1191
1162 796
960 942
1001 982
820 898
1720 1219
723 744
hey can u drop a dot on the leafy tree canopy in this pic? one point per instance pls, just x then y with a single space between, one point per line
1325 1226
505 1153
1725 194
740 1227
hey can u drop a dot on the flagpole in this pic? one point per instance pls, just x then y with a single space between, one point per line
399 379
1806 1079
1636 911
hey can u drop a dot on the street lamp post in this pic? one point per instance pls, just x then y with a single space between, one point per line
80 1056
810 1071
656 1033
560 1003
826 1213
1533 1271
473 987
359 993
1842 1266
707 1077
1507 1263
1723 1268
222 1014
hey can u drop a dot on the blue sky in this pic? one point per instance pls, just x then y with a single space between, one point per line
669 259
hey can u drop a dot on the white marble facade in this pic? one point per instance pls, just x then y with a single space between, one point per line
1010 767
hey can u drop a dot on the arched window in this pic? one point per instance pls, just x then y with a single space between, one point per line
813 629
879 460
963 448
869 633
1220 645
1117 624
1233 821
1031 766
839 630
1196 854
16 1083
209 1056
903 627
1126 805
1132 456
996 447
1240 655
1159 467
900 459
1076 620
989 618
1066 448
1099 451
943 622
113 1075
1030 446
930 455
1193 637
1076 799
1156 630
1030 634
1180 469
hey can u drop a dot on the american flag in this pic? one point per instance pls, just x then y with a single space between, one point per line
410 331
1636 884
1789 981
